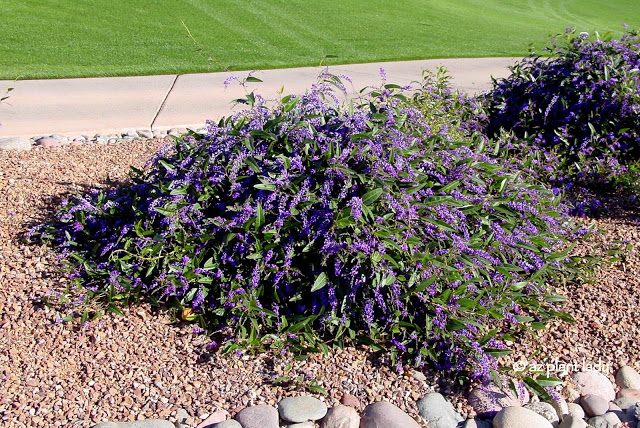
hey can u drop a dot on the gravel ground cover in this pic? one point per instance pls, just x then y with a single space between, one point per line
147 364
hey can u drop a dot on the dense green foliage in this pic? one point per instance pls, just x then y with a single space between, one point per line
578 107
79 38
311 224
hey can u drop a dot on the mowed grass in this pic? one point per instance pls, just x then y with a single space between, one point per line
81 38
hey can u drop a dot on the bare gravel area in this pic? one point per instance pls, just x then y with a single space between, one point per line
147 364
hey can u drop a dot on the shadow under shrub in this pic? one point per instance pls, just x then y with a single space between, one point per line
579 105
311 224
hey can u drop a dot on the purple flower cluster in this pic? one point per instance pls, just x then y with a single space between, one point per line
291 223
578 105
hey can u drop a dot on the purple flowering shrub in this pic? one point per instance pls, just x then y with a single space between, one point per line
579 105
310 223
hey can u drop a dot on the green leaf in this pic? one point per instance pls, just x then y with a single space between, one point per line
320 282
209 264
495 352
266 186
251 79
318 389
113 308
166 164
537 388
371 196
548 381
164 211
555 298
253 164
259 217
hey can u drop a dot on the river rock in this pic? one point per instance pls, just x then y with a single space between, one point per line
628 378
384 414
634 411
561 407
489 399
576 410
545 410
146 423
572 422
594 405
593 382
260 416
214 418
419 376
350 400
182 418
438 412
227 424
15 143
301 409
631 393
625 402
519 417
145 133
608 420
477 423
341 416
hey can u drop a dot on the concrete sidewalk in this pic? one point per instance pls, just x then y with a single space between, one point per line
92 105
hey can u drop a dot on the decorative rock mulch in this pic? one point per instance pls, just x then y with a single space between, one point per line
57 140
499 407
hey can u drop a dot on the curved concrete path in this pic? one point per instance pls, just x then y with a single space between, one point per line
92 105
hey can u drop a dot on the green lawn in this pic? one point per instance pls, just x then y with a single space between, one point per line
77 38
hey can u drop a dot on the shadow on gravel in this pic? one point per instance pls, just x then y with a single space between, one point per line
48 208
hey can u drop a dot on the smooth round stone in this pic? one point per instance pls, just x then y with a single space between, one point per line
47 140
158 133
145 133
301 409
214 418
625 402
438 412
576 410
350 400
634 411
112 141
341 416
15 143
307 424
419 376
628 378
632 393
608 420
594 405
58 137
570 394
227 424
593 382
519 417
561 407
146 423
545 410
260 416
477 423
487 400
384 414
572 422
181 418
